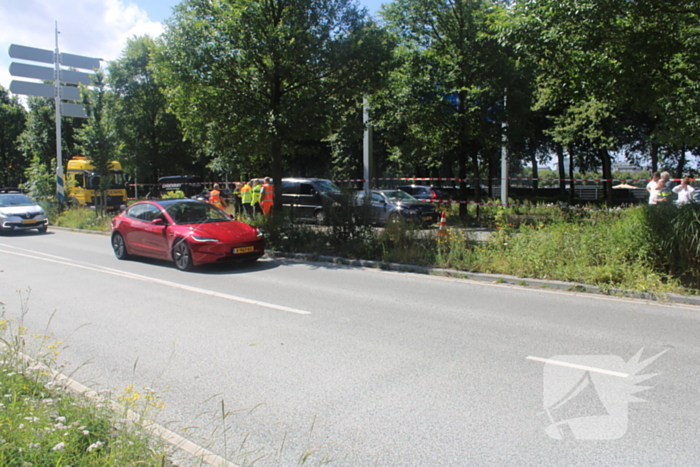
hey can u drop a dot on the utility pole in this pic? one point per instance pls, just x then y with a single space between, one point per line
504 153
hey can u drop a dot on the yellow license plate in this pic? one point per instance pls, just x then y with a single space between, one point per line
27 222
427 218
245 249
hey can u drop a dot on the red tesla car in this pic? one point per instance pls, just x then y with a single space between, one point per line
185 231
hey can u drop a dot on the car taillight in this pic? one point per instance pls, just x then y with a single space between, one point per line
433 195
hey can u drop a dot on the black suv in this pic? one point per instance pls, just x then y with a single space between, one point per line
190 185
309 199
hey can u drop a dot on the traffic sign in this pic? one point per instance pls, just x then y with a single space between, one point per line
72 110
79 61
70 93
32 71
32 89
75 77
30 53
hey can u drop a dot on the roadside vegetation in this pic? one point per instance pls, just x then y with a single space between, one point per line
637 248
43 424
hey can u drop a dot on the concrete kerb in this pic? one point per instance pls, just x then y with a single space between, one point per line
491 278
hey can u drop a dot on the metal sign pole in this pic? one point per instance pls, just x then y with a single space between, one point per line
504 154
60 194
368 160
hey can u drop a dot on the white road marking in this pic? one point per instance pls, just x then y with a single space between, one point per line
175 285
578 367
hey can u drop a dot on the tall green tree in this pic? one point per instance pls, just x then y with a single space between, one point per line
97 139
444 104
12 121
254 78
38 140
151 140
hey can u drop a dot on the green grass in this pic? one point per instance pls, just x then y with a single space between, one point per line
42 424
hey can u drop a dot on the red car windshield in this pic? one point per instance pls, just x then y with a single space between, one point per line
195 213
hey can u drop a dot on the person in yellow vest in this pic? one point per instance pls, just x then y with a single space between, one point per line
256 196
215 197
246 199
237 205
267 196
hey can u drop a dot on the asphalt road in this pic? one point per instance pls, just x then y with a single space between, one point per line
365 367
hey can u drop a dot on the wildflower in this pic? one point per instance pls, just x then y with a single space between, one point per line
32 419
59 447
34 445
95 445
86 432
61 419
47 401
61 426
21 426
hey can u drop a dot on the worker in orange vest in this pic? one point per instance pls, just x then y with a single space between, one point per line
215 197
267 196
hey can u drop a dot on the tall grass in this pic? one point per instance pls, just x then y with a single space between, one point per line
644 248
42 424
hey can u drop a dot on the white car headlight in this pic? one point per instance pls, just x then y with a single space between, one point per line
199 238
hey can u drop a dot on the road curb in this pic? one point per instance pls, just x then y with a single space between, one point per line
491 278
477 276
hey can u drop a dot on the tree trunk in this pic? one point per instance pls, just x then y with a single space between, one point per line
535 175
562 170
607 174
654 155
572 191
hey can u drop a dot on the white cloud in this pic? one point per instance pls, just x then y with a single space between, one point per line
94 28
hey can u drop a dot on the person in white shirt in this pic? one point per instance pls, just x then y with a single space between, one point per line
684 191
651 188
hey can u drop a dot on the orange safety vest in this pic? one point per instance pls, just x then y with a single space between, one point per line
215 198
267 199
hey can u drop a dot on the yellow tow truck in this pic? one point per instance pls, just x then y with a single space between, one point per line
83 184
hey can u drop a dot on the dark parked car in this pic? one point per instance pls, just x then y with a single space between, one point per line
385 206
190 185
20 212
186 231
426 193
310 199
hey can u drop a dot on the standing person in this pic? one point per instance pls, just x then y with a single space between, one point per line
246 199
651 188
215 197
237 205
257 188
684 191
267 196
663 190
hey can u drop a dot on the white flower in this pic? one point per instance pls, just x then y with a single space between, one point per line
21 426
86 432
59 447
94 446
47 401
61 426
32 419
34 445
61 419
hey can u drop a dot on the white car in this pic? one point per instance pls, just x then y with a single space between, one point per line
20 212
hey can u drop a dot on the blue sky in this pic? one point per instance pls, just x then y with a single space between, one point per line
94 28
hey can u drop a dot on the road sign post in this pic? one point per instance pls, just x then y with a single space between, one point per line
55 90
